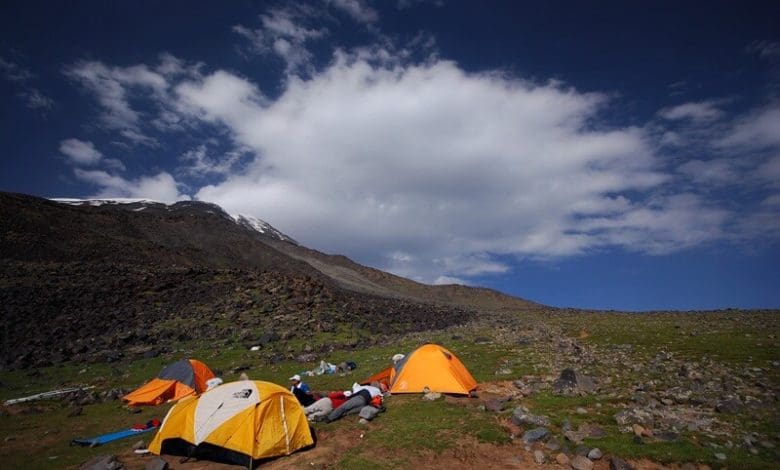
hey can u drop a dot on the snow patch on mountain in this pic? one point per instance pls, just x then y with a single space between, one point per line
139 205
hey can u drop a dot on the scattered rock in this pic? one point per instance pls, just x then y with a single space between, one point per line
730 405
571 381
720 456
431 396
539 457
553 444
616 463
641 431
307 357
581 463
522 418
562 459
102 462
667 436
595 454
156 464
494 405
535 435
592 431
574 436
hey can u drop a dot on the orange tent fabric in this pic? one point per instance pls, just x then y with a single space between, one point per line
178 380
431 367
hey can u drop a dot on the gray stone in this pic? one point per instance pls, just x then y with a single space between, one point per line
582 450
720 456
595 454
522 418
667 436
307 357
730 405
592 431
535 435
579 462
431 396
494 405
572 381
539 457
616 463
156 464
101 462
574 436
553 444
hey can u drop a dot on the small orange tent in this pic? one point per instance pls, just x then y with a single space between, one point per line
178 380
430 366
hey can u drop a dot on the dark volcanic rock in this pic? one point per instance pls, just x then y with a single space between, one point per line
571 380
118 281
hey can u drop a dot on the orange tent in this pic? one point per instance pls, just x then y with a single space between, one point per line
178 380
430 366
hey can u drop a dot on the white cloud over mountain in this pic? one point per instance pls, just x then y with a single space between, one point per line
427 170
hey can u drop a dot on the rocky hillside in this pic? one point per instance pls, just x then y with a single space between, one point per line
94 282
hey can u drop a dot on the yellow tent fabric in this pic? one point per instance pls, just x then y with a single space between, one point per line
250 418
430 366
178 380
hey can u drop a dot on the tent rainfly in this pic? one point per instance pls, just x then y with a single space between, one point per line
178 380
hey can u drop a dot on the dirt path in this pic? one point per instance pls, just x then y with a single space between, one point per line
468 454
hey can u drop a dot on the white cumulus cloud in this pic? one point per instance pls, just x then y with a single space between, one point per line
450 167
161 187
80 152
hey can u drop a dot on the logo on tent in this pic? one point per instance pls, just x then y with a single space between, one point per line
245 393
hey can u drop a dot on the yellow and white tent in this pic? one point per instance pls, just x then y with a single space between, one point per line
235 422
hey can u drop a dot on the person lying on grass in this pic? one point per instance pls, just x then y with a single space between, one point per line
361 396
318 410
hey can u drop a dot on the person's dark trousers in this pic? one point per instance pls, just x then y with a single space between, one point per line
355 403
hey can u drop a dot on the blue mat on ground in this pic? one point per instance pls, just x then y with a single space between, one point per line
110 437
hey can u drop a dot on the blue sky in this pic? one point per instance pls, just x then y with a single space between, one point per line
618 156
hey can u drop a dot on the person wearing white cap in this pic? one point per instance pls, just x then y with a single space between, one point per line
301 391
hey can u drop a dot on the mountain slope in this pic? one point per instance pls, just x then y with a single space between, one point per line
98 280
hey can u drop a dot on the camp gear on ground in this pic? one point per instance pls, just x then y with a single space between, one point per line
237 422
113 436
178 380
430 366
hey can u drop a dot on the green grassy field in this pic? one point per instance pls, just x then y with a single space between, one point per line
37 435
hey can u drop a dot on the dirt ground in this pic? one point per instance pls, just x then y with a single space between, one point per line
468 454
